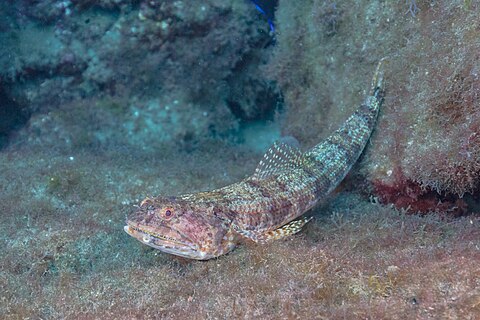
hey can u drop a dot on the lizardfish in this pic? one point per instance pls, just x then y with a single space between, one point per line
264 206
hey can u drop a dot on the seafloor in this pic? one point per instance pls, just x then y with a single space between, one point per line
103 103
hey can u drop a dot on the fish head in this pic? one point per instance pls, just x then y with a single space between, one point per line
175 226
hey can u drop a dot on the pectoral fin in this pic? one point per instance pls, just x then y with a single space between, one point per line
284 231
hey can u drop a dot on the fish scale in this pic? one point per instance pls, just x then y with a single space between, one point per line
263 207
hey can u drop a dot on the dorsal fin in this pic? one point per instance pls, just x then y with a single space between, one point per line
280 157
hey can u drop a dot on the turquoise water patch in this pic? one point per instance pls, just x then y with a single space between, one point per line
259 136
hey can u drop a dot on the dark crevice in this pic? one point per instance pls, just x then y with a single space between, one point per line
261 106
250 96
12 116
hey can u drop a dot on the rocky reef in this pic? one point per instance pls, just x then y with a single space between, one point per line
140 73
103 103
426 150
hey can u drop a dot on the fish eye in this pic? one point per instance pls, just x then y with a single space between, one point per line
168 213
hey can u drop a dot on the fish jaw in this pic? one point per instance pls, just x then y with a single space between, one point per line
186 231
183 248
179 248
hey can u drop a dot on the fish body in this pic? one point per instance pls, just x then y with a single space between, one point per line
264 206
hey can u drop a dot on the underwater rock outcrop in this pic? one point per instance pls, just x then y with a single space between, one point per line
425 153
142 72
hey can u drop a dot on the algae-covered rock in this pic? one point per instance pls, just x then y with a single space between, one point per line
191 69
426 146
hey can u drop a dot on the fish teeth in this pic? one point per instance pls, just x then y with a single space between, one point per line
147 238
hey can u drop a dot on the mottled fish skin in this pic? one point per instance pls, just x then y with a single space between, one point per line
262 207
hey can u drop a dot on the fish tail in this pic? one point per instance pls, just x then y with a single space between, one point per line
377 88
333 158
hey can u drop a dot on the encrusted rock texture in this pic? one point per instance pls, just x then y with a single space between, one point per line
143 73
425 153
103 103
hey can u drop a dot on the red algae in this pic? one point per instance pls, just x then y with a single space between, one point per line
412 197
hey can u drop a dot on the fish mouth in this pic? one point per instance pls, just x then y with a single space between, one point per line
164 243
